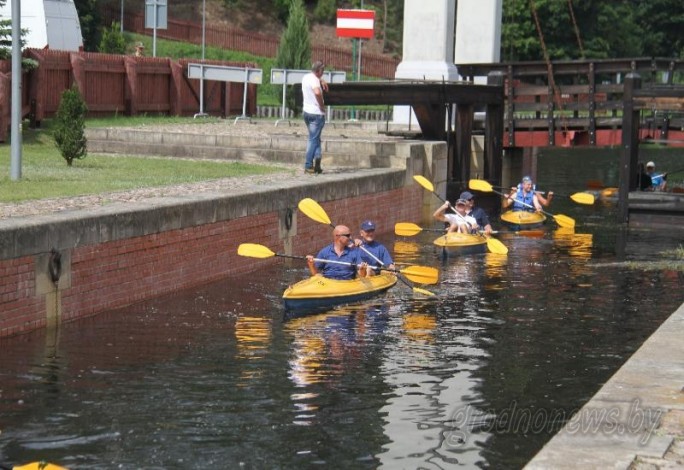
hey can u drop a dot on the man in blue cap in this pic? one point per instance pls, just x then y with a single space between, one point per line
372 252
476 212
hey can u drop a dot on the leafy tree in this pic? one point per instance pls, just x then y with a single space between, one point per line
325 11
662 22
69 133
294 51
113 41
282 9
600 26
90 19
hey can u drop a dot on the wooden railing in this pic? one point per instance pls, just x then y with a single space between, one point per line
586 101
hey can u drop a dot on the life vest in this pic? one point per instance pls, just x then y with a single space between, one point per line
526 198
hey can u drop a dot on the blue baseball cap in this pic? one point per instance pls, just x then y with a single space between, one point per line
466 196
367 226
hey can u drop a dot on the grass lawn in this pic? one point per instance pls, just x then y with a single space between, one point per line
45 174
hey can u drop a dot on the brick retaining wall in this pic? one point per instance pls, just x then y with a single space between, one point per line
104 270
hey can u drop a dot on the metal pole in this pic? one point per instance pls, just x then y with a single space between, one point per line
283 111
354 41
154 31
204 24
15 162
204 17
122 8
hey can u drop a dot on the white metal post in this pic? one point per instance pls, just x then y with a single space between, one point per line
15 160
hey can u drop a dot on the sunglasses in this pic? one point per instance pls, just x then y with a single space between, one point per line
344 235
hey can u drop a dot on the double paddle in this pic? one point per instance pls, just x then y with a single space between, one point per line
419 274
580 198
485 187
315 212
493 245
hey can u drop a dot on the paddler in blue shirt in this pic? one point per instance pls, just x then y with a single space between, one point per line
523 198
658 182
341 249
372 251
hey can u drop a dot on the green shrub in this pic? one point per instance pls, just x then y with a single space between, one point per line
113 41
69 133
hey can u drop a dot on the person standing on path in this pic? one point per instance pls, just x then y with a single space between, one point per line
313 87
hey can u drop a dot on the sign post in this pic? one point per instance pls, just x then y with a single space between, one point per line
355 24
155 18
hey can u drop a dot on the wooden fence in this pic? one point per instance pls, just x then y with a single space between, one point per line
372 65
112 83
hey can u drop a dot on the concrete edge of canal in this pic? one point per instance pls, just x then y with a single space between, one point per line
636 420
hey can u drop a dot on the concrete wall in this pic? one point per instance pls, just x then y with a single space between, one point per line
116 255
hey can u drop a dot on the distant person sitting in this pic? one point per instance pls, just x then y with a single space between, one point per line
658 182
644 182
523 197
373 253
339 250
477 213
458 222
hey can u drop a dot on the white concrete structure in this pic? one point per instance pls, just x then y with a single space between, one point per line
428 51
478 33
50 23
431 48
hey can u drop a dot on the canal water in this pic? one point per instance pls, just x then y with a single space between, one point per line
481 375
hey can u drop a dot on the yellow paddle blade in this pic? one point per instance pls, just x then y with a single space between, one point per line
564 221
39 466
583 198
424 182
406 229
496 246
421 274
480 185
314 211
254 251
418 290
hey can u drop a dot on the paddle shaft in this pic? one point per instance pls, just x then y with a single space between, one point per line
318 260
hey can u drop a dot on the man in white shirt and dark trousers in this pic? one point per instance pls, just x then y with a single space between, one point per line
313 87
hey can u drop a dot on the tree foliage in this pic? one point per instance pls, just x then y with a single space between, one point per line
6 43
605 29
91 21
113 41
69 132
294 51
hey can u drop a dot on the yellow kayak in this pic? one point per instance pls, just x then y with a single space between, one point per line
462 243
318 291
523 220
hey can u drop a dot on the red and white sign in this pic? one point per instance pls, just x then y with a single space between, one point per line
355 23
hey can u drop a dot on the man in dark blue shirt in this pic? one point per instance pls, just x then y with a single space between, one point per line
372 252
341 250
476 212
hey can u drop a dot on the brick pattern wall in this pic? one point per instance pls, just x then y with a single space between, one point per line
119 273
19 305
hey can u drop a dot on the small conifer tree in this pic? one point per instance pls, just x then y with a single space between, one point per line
69 133
113 41
294 51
